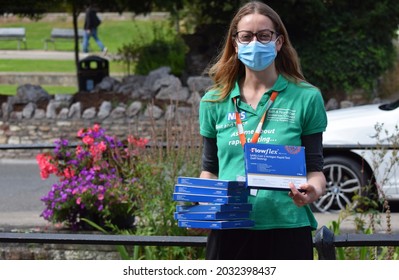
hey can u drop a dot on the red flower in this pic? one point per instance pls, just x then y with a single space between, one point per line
69 172
46 167
138 142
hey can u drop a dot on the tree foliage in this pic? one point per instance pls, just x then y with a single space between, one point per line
343 45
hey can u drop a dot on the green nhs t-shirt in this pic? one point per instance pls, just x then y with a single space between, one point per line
298 110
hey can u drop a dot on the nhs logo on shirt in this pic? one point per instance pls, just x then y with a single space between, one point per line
232 116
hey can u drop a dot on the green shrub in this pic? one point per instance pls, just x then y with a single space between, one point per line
175 151
180 156
161 48
364 211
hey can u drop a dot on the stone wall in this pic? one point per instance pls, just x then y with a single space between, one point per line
31 133
16 251
154 106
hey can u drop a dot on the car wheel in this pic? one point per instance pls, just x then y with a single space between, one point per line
345 179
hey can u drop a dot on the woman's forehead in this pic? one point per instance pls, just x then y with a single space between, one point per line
255 22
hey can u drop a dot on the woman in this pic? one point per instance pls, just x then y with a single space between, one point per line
257 60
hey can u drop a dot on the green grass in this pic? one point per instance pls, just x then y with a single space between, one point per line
113 34
51 89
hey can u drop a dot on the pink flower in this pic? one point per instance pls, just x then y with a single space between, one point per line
96 168
79 150
78 200
102 146
96 127
96 151
80 132
88 140
138 142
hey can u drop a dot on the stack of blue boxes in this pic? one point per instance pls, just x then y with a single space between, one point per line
212 204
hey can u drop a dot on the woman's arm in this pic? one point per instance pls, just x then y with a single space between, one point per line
210 162
208 175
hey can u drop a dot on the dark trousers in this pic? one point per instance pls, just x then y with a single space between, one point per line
275 244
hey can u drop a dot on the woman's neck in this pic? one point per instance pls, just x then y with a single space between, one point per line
254 85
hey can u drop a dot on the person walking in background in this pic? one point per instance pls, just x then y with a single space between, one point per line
91 24
256 65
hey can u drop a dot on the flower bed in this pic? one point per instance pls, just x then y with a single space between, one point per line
96 180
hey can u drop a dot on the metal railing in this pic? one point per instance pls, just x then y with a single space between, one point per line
324 241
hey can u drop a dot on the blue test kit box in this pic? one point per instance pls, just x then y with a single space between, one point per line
221 199
210 207
214 183
216 224
271 166
211 215
233 191
216 204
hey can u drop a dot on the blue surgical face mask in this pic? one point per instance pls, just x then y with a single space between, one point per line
257 56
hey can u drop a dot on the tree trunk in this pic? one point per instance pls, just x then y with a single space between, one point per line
75 15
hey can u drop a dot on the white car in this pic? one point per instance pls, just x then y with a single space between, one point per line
361 147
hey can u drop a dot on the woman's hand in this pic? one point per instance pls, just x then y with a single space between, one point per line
309 192
305 194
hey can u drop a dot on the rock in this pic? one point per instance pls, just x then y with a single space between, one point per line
170 88
346 104
153 111
332 104
51 109
75 111
105 110
134 109
63 115
39 114
199 84
89 113
155 75
31 93
107 84
118 112
28 110
63 100
170 112
194 99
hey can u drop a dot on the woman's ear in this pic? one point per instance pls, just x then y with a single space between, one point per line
279 42
235 45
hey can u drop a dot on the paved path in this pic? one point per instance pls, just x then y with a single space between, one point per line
40 54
